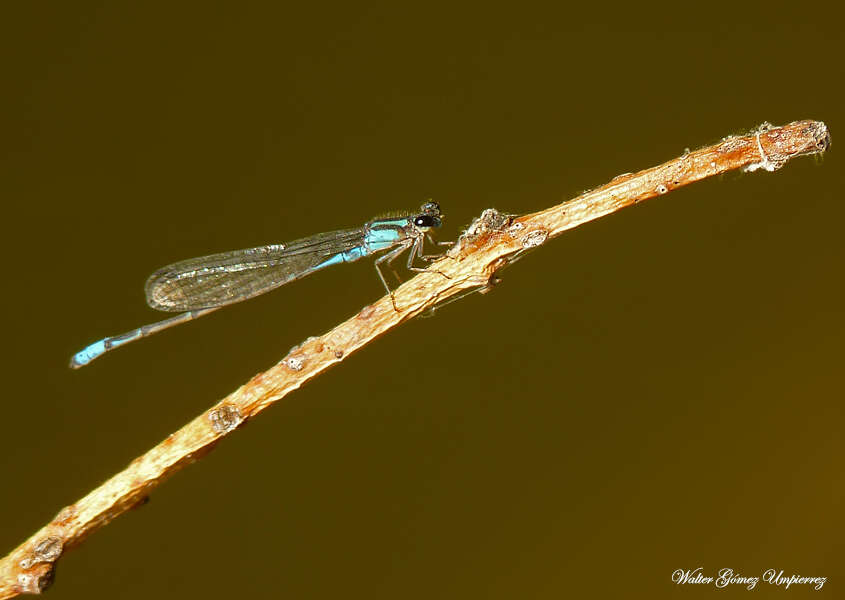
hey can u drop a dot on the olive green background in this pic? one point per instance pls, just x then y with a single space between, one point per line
657 390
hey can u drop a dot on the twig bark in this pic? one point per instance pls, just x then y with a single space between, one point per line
490 243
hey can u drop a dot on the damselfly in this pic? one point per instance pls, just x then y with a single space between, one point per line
202 285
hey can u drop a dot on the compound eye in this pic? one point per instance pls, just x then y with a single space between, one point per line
426 221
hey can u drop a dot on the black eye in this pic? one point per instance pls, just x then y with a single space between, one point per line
426 221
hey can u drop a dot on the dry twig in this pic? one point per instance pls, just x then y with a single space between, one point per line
489 244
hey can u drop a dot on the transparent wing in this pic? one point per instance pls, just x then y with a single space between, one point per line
229 277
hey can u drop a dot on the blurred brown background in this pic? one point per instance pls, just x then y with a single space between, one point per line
660 389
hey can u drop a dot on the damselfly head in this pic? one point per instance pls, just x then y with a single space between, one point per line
429 216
